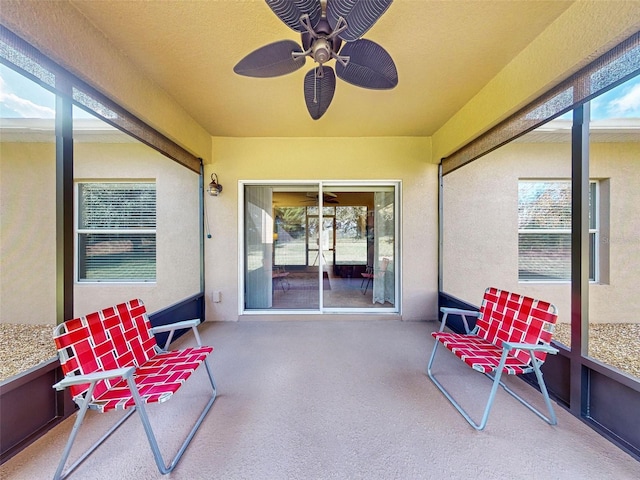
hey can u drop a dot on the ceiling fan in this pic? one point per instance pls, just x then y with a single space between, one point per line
324 24
327 197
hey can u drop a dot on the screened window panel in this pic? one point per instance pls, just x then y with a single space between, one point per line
544 256
593 218
117 205
116 231
604 73
544 231
117 257
547 257
544 205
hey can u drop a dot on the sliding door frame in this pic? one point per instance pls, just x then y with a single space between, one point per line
320 186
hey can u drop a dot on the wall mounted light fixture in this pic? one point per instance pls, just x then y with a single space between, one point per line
214 187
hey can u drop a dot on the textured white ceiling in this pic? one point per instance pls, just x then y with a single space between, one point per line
445 52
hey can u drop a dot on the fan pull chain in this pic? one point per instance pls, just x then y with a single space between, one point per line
315 86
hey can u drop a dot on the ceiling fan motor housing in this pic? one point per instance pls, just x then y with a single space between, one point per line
321 50
322 45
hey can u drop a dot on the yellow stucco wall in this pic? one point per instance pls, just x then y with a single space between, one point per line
177 220
586 30
403 159
481 225
27 233
28 228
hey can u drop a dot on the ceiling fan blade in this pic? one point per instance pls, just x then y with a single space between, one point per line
271 60
318 91
290 11
370 66
360 16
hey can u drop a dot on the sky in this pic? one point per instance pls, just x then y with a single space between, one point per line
621 102
22 98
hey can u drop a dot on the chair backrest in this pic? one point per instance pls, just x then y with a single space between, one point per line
509 317
115 337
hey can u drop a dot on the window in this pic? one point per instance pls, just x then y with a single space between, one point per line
351 235
291 223
544 230
116 232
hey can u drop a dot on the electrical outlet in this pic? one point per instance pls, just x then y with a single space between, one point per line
215 296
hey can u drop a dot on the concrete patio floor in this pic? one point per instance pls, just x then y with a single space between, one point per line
335 400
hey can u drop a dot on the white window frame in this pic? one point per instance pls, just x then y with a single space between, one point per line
82 231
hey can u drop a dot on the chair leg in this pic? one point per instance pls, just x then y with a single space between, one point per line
72 436
60 472
551 420
164 469
458 407
366 286
446 393
153 443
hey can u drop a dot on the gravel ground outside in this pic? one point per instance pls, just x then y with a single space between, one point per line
25 346
616 344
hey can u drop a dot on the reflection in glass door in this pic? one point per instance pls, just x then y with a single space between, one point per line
362 265
315 234
279 274
296 256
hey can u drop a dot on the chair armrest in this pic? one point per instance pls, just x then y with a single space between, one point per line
175 326
94 377
172 327
458 311
530 347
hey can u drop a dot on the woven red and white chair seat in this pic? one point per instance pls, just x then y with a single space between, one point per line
479 354
157 380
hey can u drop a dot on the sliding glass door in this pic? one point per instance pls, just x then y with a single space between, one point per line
320 247
361 247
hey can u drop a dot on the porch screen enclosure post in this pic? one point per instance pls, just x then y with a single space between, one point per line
579 256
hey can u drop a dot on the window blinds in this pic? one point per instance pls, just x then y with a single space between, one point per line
116 232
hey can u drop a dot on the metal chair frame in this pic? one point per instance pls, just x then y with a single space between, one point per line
507 348
128 374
